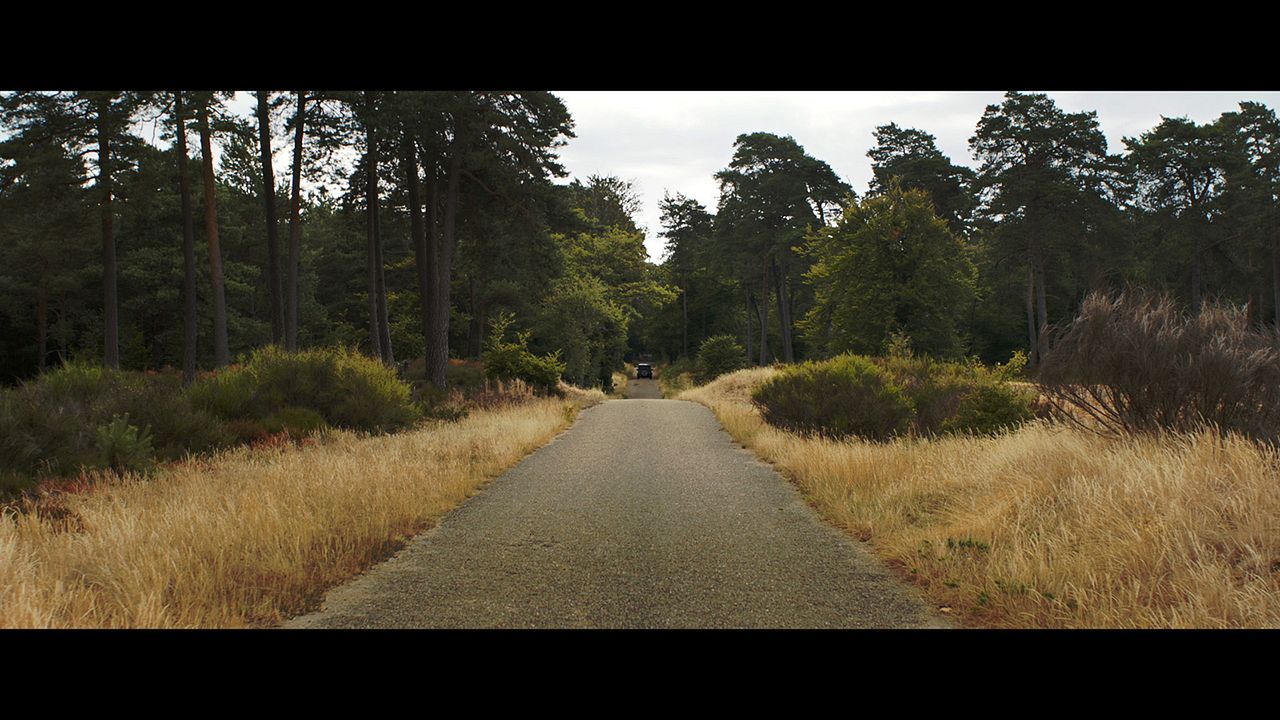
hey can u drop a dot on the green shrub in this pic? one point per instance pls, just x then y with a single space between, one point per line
345 388
297 420
467 376
718 355
513 361
876 398
988 409
847 395
227 393
49 425
123 447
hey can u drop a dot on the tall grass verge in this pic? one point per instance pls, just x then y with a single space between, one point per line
250 536
1048 526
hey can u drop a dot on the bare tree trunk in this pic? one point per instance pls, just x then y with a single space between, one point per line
784 310
371 227
110 297
222 355
1042 310
763 309
417 232
475 331
295 232
269 200
1032 357
42 315
384 323
684 326
188 246
438 342
751 307
1196 289
1275 276
433 276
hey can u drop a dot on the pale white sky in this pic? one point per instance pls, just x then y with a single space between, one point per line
677 140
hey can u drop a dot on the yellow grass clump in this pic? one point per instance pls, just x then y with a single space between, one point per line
1048 526
251 537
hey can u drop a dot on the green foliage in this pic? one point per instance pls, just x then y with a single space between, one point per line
890 266
296 420
989 409
48 425
590 331
347 389
957 397
505 360
847 395
718 355
878 398
123 447
911 158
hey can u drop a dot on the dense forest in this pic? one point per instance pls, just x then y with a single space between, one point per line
140 252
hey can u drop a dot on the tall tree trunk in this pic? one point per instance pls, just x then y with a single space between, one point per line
475 329
763 309
384 323
417 232
1275 276
784 309
1196 288
1042 311
684 319
62 327
188 246
751 308
42 315
295 231
1033 358
371 226
438 343
110 298
434 370
222 355
269 200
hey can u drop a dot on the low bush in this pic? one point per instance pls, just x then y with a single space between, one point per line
847 395
508 361
718 355
297 421
345 388
1137 362
123 447
49 425
953 397
878 398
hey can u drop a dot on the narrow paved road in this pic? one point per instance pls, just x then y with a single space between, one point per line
644 514
646 388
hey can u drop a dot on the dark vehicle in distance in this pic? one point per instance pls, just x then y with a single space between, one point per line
644 370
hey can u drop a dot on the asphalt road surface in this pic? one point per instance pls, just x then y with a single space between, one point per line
644 514
643 388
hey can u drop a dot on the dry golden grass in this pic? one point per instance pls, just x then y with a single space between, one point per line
252 536
1048 526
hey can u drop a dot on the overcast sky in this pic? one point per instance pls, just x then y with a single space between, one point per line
676 141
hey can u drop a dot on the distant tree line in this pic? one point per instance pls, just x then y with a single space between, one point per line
447 216
963 262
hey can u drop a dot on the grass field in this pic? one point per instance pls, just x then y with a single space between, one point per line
252 536
1047 526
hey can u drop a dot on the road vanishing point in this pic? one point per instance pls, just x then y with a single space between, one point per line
643 514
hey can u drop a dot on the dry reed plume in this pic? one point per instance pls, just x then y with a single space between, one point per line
252 536
1048 526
